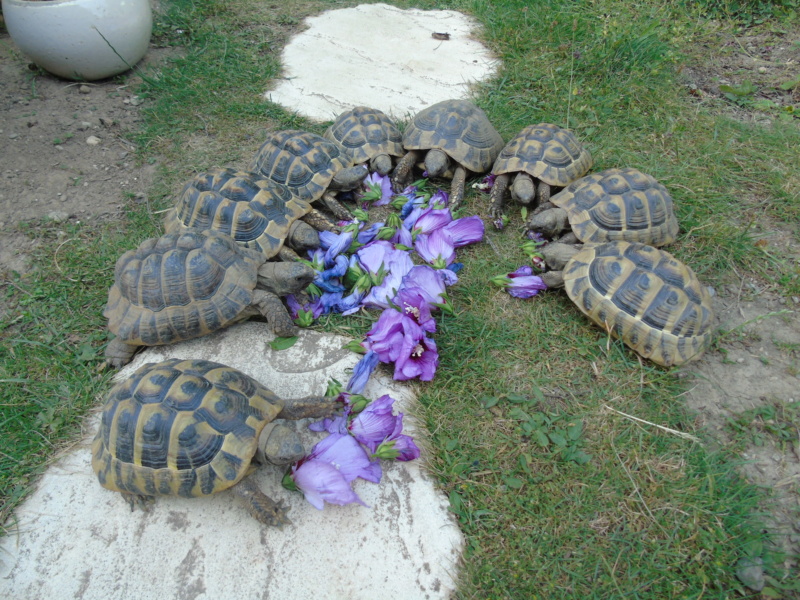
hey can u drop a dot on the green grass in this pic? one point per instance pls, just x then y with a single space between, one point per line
651 514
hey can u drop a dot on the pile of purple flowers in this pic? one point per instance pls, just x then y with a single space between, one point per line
372 267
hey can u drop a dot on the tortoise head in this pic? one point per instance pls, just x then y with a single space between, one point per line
523 190
280 445
436 162
302 236
549 222
557 255
349 179
381 164
282 278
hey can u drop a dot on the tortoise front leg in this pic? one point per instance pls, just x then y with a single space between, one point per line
403 170
145 503
119 354
320 222
542 193
273 310
338 209
498 196
262 507
457 188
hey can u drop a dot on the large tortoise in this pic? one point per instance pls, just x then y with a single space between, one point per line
539 157
258 213
642 295
312 167
367 135
615 204
190 428
188 284
457 137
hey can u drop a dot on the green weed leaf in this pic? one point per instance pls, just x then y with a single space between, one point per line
282 343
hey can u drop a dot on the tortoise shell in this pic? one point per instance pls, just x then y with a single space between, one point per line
619 204
644 296
364 133
181 428
458 128
547 152
254 211
180 286
302 161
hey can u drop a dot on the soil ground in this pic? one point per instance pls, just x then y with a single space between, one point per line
64 155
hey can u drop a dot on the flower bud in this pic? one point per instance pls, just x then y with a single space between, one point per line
358 403
334 388
305 318
386 451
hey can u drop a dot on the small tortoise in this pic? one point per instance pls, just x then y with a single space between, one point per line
312 167
367 135
190 428
616 204
188 284
258 213
457 136
642 295
546 153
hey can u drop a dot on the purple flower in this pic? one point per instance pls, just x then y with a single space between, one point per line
397 446
428 281
402 237
365 236
322 482
383 259
379 189
413 302
295 308
339 245
328 301
327 238
392 334
411 219
467 230
440 199
351 303
349 458
375 423
362 372
421 361
436 249
521 283
432 219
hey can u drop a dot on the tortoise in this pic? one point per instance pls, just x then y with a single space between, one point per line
187 284
312 167
190 428
546 153
258 213
458 138
615 204
640 294
367 135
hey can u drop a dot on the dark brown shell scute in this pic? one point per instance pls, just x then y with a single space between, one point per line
184 286
645 296
459 128
185 428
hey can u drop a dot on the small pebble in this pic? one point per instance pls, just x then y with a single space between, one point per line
59 216
750 571
13 136
105 122
762 69
740 360
93 140
85 89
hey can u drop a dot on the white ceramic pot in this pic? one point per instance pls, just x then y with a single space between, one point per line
80 39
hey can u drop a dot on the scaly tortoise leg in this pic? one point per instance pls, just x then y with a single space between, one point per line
262 507
457 188
272 309
498 196
403 170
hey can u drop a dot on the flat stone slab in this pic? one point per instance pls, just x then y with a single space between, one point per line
383 57
74 539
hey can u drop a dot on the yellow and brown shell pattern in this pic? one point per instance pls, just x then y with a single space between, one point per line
364 133
180 428
180 286
619 204
460 129
644 296
255 211
547 152
302 161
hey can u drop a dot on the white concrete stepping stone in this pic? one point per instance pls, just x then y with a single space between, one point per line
74 539
383 57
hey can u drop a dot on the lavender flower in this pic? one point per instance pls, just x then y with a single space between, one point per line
521 283
467 230
375 423
322 482
391 334
436 249
379 189
421 361
361 372
413 303
344 453
432 219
